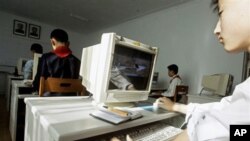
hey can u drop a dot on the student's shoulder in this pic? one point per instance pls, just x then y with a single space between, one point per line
48 54
75 58
29 63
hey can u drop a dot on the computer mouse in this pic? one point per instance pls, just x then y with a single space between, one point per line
156 105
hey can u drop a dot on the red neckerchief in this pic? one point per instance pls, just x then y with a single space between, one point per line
62 51
176 76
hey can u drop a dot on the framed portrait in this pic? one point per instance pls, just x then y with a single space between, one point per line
34 31
19 28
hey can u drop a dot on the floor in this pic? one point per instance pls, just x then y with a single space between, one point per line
4 121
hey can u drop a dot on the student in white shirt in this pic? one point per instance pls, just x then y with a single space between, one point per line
212 121
175 80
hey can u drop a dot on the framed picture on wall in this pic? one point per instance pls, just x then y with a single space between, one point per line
19 28
34 31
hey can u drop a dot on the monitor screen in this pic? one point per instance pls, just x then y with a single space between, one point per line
118 69
133 65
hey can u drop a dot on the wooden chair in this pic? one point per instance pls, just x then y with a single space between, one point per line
61 85
181 92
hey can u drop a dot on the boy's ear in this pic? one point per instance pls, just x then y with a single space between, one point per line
53 42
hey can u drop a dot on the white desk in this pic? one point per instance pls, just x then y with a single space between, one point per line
10 78
64 119
17 109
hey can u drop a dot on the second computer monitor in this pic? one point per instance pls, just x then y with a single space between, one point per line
35 64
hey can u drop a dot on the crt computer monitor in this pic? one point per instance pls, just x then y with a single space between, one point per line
133 60
219 84
35 64
155 78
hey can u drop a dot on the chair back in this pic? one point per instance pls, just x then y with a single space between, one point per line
181 92
61 85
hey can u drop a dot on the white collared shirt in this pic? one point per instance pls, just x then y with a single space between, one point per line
211 121
27 69
171 89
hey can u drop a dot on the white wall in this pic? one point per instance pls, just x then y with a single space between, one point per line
184 35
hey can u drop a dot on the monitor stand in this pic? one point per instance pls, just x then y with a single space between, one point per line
120 104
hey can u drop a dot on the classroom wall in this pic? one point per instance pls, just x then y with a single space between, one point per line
184 35
13 46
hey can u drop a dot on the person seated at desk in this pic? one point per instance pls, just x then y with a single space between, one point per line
175 80
35 48
60 62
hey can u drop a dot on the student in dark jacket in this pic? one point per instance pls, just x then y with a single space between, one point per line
60 62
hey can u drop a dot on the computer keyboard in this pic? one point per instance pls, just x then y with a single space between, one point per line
158 131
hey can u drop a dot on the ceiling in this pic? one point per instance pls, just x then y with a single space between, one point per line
84 16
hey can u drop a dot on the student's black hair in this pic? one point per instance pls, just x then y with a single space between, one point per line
215 5
60 35
37 48
173 68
